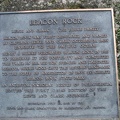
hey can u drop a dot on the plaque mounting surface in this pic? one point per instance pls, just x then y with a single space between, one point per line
58 64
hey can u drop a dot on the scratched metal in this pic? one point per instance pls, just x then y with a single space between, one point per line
99 98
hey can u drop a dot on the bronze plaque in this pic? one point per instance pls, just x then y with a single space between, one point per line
58 65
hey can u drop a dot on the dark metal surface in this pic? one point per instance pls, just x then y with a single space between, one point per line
58 64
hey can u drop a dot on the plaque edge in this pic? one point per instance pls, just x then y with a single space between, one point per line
116 64
57 10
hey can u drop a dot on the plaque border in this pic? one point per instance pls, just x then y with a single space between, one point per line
58 10
115 58
116 64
